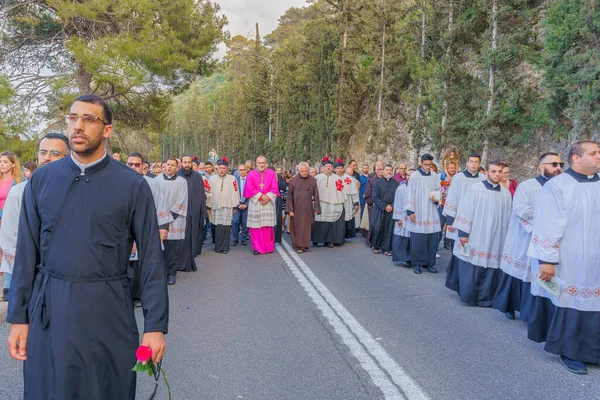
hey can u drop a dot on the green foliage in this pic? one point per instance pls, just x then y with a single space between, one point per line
572 66
328 78
134 53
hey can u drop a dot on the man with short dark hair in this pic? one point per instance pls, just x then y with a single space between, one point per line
116 156
377 175
458 187
330 226
135 162
482 221
70 306
172 199
52 147
209 170
194 227
362 179
566 228
514 290
382 224
223 205
424 220
146 170
240 218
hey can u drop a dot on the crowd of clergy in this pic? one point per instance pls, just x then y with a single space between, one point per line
526 248
530 248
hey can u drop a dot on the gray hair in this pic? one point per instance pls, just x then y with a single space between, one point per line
303 164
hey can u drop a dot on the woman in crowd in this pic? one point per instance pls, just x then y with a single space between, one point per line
508 183
10 169
28 169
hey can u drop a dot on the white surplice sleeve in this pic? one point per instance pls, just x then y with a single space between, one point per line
398 204
464 214
549 224
523 206
451 204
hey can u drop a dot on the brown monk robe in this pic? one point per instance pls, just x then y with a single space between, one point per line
302 205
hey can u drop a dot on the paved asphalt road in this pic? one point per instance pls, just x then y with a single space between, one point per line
338 323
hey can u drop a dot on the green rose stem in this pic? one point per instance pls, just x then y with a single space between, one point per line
166 383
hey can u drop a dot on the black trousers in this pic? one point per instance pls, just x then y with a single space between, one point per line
171 253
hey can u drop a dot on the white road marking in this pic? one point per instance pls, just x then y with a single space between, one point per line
390 391
354 335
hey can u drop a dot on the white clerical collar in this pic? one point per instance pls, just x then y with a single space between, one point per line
492 184
83 166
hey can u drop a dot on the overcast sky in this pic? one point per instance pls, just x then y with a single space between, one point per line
243 14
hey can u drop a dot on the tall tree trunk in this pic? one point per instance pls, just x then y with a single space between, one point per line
343 58
445 84
419 111
491 87
381 77
83 80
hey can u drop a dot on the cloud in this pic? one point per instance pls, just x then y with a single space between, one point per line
244 14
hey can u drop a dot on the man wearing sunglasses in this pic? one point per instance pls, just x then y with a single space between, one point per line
70 304
514 291
51 147
564 240
136 163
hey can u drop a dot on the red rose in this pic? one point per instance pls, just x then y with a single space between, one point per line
143 353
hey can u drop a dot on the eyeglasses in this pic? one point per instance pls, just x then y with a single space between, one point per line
53 153
134 164
88 119
555 164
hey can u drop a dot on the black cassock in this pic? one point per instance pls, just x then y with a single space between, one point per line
70 279
194 227
382 223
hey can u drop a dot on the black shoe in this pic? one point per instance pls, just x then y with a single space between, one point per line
137 303
234 243
510 315
429 268
417 269
244 243
330 245
406 264
171 279
256 253
224 252
315 244
4 294
574 366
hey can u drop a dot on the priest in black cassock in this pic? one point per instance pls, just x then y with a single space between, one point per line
70 304
194 227
382 223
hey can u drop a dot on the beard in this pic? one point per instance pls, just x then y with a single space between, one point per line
550 175
187 170
388 176
89 146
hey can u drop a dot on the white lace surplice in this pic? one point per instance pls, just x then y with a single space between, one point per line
456 191
566 231
484 214
426 211
400 200
515 261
